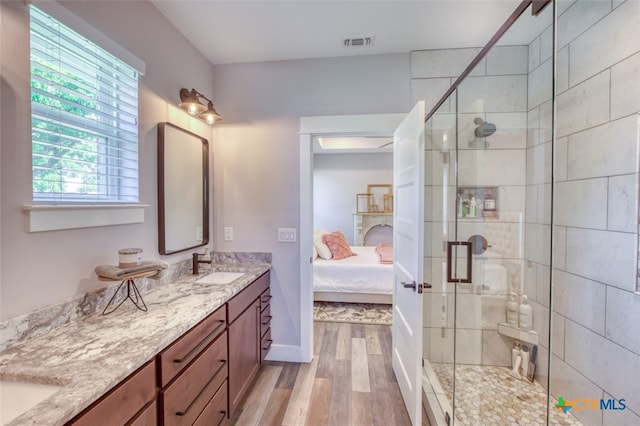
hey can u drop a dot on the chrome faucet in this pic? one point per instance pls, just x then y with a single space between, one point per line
197 260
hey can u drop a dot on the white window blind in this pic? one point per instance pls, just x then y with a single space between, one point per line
84 115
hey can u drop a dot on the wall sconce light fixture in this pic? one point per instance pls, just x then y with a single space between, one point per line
190 102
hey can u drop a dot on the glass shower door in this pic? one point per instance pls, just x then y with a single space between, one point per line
488 192
503 176
438 321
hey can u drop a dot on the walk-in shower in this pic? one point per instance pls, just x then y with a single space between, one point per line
516 333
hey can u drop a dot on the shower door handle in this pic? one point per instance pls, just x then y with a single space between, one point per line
412 285
450 277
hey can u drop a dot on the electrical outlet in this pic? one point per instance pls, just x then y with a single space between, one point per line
228 233
286 235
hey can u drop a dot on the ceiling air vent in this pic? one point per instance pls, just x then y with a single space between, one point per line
359 41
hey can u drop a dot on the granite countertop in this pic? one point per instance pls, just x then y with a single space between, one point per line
88 357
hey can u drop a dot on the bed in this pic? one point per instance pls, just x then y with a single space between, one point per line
355 279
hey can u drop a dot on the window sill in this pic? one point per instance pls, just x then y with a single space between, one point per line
53 217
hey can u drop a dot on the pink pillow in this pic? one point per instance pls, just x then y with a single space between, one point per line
337 245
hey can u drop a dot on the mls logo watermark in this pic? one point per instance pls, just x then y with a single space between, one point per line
588 404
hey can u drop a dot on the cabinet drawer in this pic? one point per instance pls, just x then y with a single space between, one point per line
265 344
184 399
265 320
265 298
242 300
215 413
123 402
147 417
184 350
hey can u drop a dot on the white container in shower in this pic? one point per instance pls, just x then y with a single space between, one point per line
524 366
512 311
515 353
526 315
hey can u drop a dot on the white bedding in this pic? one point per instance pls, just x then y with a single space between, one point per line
355 274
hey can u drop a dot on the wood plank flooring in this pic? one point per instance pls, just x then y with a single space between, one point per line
349 382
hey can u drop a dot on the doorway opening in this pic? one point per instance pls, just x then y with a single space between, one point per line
312 128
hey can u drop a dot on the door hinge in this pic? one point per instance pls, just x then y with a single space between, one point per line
419 288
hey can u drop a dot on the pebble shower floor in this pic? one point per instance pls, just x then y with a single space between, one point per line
491 396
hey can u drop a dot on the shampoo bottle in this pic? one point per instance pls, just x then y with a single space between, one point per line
473 207
526 315
512 311
524 366
515 352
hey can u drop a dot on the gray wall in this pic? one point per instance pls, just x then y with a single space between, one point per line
43 268
337 178
256 151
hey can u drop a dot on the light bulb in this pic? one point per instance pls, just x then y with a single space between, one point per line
210 118
193 109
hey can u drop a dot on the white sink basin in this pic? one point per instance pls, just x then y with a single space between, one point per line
16 398
220 277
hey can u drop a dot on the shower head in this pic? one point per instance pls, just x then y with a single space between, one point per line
483 130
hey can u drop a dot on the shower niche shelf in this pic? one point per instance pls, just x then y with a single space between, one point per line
530 337
486 202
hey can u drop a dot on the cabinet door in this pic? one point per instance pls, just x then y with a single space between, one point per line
122 403
244 353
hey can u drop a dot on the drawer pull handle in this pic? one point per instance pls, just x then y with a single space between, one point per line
204 341
223 414
183 413
268 320
268 345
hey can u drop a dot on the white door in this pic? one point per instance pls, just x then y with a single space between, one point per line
408 247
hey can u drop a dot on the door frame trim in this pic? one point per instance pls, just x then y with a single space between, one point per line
310 127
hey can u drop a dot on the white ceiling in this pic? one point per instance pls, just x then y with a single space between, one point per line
237 31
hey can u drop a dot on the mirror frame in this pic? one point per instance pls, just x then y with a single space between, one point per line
162 141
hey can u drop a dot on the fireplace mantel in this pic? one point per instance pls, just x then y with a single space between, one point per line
363 222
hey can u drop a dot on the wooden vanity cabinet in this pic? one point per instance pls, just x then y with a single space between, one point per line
265 323
245 344
131 401
193 372
201 378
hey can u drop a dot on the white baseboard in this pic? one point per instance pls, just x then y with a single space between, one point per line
286 353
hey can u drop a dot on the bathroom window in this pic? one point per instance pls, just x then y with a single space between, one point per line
84 118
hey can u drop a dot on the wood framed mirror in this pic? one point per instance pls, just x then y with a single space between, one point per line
183 188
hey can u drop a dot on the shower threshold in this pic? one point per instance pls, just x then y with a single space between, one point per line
487 395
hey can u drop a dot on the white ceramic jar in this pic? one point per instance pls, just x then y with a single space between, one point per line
129 257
